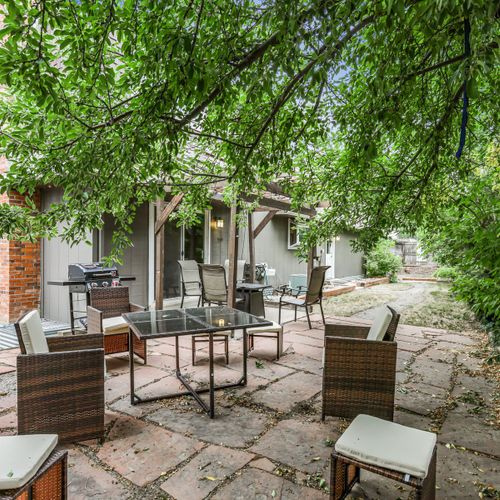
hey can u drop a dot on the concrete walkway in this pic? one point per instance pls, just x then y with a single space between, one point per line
267 440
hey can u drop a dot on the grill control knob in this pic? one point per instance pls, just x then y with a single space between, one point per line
93 284
105 284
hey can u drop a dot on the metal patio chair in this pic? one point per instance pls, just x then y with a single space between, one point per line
240 270
306 297
190 279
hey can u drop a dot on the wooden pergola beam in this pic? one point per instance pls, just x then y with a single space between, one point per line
251 246
163 212
232 256
278 204
167 210
264 222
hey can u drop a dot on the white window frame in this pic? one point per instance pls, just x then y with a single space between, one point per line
294 246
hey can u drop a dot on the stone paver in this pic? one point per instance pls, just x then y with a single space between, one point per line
87 480
236 426
140 452
205 472
252 449
287 392
302 445
461 474
257 484
463 429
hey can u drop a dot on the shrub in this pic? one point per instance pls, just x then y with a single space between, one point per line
380 261
446 272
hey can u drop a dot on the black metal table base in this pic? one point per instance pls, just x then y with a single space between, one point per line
190 391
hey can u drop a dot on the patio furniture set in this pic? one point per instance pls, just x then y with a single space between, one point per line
61 383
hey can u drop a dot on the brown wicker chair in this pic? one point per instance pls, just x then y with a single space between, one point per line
112 302
312 295
359 375
62 391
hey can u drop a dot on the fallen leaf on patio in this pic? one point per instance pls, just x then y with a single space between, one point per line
273 493
210 478
315 459
259 364
10 474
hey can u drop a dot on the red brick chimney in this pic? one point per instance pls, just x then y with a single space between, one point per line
19 267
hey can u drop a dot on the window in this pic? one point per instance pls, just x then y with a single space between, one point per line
293 234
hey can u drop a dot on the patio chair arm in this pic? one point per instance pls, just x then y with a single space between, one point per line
346 331
52 388
94 320
75 342
136 308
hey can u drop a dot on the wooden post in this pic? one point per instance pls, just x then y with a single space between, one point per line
251 246
159 258
163 211
232 256
264 222
310 262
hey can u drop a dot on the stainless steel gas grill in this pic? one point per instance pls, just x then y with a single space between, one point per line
81 279
92 275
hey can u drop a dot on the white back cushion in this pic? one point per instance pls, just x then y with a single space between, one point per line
380 324
22 456
32 333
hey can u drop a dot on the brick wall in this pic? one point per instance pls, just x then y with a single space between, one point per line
19 268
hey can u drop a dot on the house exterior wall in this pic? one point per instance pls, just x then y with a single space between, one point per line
347 262
19 267
56 256
135 258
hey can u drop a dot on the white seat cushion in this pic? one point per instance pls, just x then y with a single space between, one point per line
380 325
22 456
32 333
378 442
114 325
274 328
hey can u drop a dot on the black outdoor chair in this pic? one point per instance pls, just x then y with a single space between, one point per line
306 297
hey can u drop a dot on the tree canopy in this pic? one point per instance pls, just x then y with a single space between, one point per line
354 103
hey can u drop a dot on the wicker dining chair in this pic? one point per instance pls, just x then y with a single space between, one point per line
60 382
306 297
190 280
359 373
104 315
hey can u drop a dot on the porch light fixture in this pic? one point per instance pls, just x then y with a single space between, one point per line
219 223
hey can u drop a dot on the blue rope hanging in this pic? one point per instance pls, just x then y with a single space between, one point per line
465 99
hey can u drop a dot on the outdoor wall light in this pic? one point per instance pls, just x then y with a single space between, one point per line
219 223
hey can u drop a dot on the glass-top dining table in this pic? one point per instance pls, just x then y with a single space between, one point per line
191 321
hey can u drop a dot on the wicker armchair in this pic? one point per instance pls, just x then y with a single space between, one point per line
104 315
306 298
359 375
60 388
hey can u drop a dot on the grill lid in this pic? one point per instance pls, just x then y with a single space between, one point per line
94 270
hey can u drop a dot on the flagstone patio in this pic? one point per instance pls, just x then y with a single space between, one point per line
267 440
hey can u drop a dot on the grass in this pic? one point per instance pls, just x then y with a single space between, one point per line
441 310
357 301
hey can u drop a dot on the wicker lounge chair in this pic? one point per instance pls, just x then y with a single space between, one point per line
190 278
306 297
359 373
30 468
60 383
107 305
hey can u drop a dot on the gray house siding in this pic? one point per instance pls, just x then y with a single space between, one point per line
347 262
135 258
56 255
